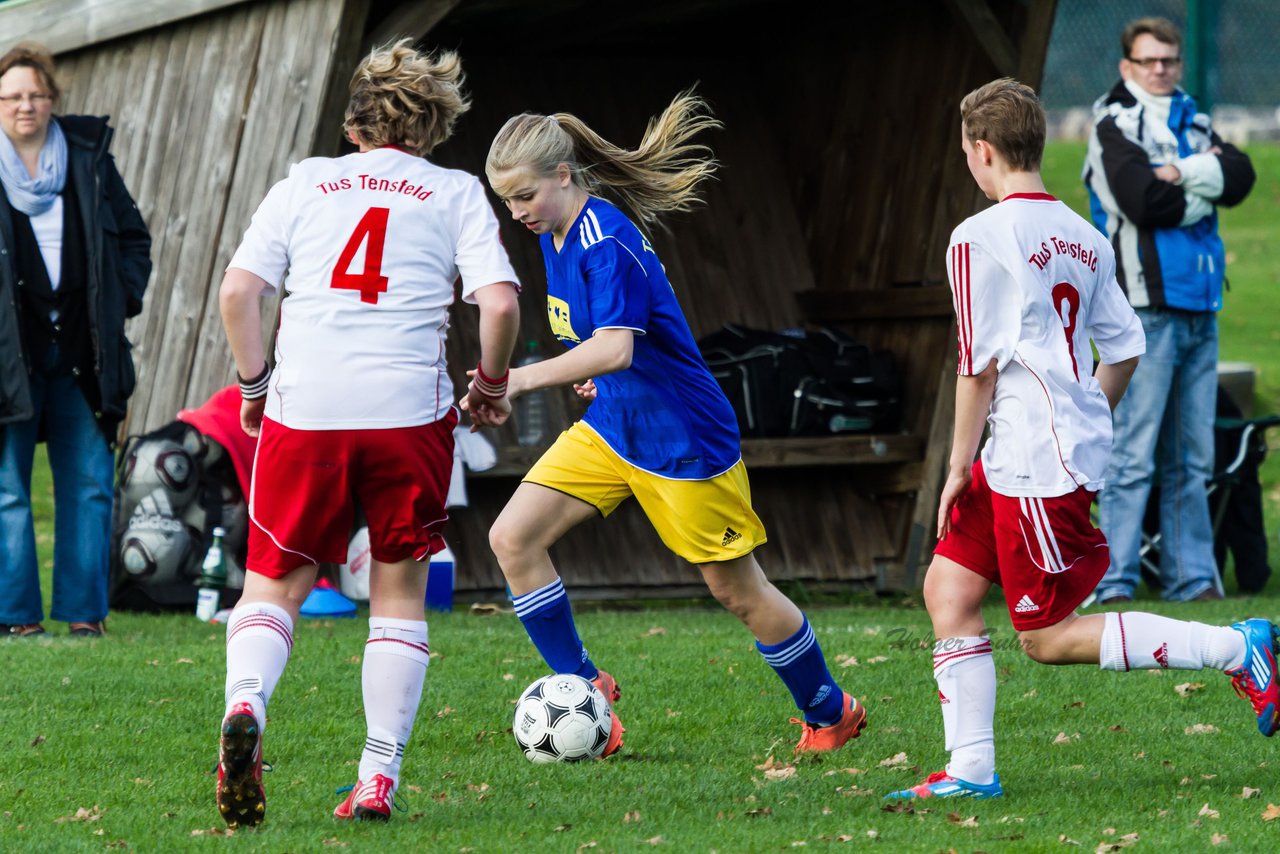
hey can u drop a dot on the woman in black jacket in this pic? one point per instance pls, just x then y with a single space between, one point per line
74 263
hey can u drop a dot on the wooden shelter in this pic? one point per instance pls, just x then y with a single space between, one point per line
842 181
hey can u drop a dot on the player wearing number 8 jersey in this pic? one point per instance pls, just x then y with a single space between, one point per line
1032 285
358 408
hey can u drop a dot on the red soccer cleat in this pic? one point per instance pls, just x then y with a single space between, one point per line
815 739
609 687
371 801
240 797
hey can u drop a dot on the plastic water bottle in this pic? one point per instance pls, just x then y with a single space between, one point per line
213 578
531 409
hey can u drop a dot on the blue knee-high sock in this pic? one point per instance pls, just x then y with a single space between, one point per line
548 619
798 660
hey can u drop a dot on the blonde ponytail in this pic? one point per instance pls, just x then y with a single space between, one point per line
662 174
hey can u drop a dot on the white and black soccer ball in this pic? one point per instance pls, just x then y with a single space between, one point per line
157 548
562 718
159 464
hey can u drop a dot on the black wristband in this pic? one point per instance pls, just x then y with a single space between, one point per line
257 387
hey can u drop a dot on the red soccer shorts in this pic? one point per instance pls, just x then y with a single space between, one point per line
1045 552
306 484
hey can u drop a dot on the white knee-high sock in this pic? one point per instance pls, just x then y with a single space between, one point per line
1137 641
966 675
395 665
259 639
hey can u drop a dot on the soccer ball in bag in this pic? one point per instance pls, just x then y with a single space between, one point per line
562 718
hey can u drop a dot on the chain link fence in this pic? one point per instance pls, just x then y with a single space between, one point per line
1242 60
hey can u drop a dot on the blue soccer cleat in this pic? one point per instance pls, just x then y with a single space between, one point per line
1255 679
940 784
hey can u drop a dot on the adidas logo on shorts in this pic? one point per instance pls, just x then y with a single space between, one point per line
1025 604
1161 655
730 536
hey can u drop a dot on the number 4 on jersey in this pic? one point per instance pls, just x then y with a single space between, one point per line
370 282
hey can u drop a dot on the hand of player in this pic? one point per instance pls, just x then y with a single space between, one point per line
1168 172
586 391
484 411
957 483
251 415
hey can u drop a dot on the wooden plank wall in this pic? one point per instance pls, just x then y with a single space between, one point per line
209 113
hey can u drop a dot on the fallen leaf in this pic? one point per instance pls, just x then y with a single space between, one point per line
1108 831
1271 813
630 817
584 846
1247 793
1207 776
834 771
82 814
846 660
334 842
1219 838
878 659
184 661
656 630
898 760
872 834
898 806
487 609
507 677
844 837
37 741
759 811
214 831
1063 738
654 840
472 787
1186 689
1200 729
561 828
827 810
672 713
1116 728
1205 812
799 843
445 712
1066 840
954 818
1033 692
783 773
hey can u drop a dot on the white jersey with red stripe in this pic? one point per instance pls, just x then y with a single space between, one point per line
373 244
1032 284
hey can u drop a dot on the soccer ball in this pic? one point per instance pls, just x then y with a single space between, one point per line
158 548
159 464
562 718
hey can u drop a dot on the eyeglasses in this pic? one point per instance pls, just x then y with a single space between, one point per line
36 99
1152 61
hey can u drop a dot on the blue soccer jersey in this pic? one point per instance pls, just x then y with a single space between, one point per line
665 414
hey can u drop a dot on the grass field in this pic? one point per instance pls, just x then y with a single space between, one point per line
109 744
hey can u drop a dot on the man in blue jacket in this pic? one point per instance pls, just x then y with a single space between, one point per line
1156 173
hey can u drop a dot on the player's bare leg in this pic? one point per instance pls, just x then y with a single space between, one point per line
741 587
785 639
533 520
259 639
394 668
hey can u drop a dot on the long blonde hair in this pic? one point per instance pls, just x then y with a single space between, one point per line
400 96
661 175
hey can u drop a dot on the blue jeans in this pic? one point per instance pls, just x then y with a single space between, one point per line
82 469
1165 418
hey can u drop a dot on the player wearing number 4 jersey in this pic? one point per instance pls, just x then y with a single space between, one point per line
358 408
1032 285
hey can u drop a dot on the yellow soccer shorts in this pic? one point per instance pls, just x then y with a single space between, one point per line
703 521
